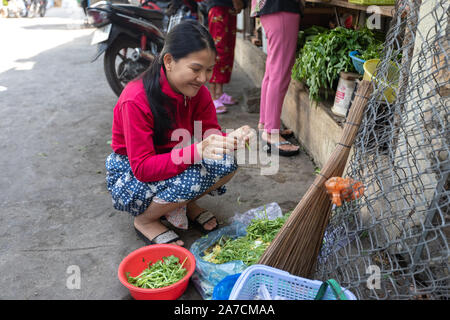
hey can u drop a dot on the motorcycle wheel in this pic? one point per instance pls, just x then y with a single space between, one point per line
119 67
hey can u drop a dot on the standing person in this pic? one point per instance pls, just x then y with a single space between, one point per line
280 20
85 5
155 170
222 26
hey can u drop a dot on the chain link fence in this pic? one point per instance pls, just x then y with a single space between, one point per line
393 242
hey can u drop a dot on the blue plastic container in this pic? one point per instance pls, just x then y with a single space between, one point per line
358 63
279 284
223 289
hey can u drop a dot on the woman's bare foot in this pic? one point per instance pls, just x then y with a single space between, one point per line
218 90
193 210
282 132
152 229
276 137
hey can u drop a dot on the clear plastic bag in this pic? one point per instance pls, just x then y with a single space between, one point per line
271 210
207 274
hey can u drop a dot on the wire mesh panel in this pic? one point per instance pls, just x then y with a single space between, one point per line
393 242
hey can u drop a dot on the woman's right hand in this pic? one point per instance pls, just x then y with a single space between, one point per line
215 146
244 135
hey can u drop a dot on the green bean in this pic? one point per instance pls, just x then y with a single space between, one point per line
160 274
249 248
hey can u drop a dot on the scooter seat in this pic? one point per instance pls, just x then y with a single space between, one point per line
141 12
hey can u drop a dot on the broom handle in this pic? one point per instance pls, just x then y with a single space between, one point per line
282 251
348 137
335 164
342 151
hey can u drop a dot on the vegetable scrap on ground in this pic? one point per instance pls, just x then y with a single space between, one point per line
248 249
162 273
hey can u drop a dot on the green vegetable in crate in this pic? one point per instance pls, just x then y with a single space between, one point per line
162 273
308 35
322 59
248 249
373 51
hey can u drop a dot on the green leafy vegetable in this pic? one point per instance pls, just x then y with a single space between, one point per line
248 249
373 51
162 273
308 35
322 59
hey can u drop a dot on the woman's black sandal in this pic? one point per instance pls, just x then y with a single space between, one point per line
287 135
204 218
167 236
268 147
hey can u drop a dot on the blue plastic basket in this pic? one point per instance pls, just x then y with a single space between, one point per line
358 63
279 283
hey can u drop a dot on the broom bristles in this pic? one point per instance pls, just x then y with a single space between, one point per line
296 247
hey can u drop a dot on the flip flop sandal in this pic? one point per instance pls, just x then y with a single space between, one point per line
220 107
204 218
167 236
227 99
287 135
268 147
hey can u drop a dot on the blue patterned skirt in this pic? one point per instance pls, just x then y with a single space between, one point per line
131 195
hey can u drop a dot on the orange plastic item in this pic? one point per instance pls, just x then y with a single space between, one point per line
343 189
355 191
334 187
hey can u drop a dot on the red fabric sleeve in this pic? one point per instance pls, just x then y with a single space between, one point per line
146 164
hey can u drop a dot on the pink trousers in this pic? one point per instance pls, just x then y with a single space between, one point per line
281 29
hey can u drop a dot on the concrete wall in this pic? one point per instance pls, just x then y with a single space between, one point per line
313 124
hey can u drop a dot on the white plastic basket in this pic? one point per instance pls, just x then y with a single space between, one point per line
280 285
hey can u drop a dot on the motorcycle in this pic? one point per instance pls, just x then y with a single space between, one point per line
132 36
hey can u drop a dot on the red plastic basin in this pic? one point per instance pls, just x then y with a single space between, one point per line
138 260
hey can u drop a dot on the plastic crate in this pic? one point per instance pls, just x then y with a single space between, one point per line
358 63
278 283
372 2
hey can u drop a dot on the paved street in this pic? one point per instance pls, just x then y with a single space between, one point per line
55 124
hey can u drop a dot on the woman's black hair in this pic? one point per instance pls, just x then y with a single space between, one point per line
185 38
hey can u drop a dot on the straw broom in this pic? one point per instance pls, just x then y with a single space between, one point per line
296 247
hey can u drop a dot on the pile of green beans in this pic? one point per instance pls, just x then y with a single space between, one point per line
162 273
248 249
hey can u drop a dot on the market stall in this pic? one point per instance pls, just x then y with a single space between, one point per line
320 91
